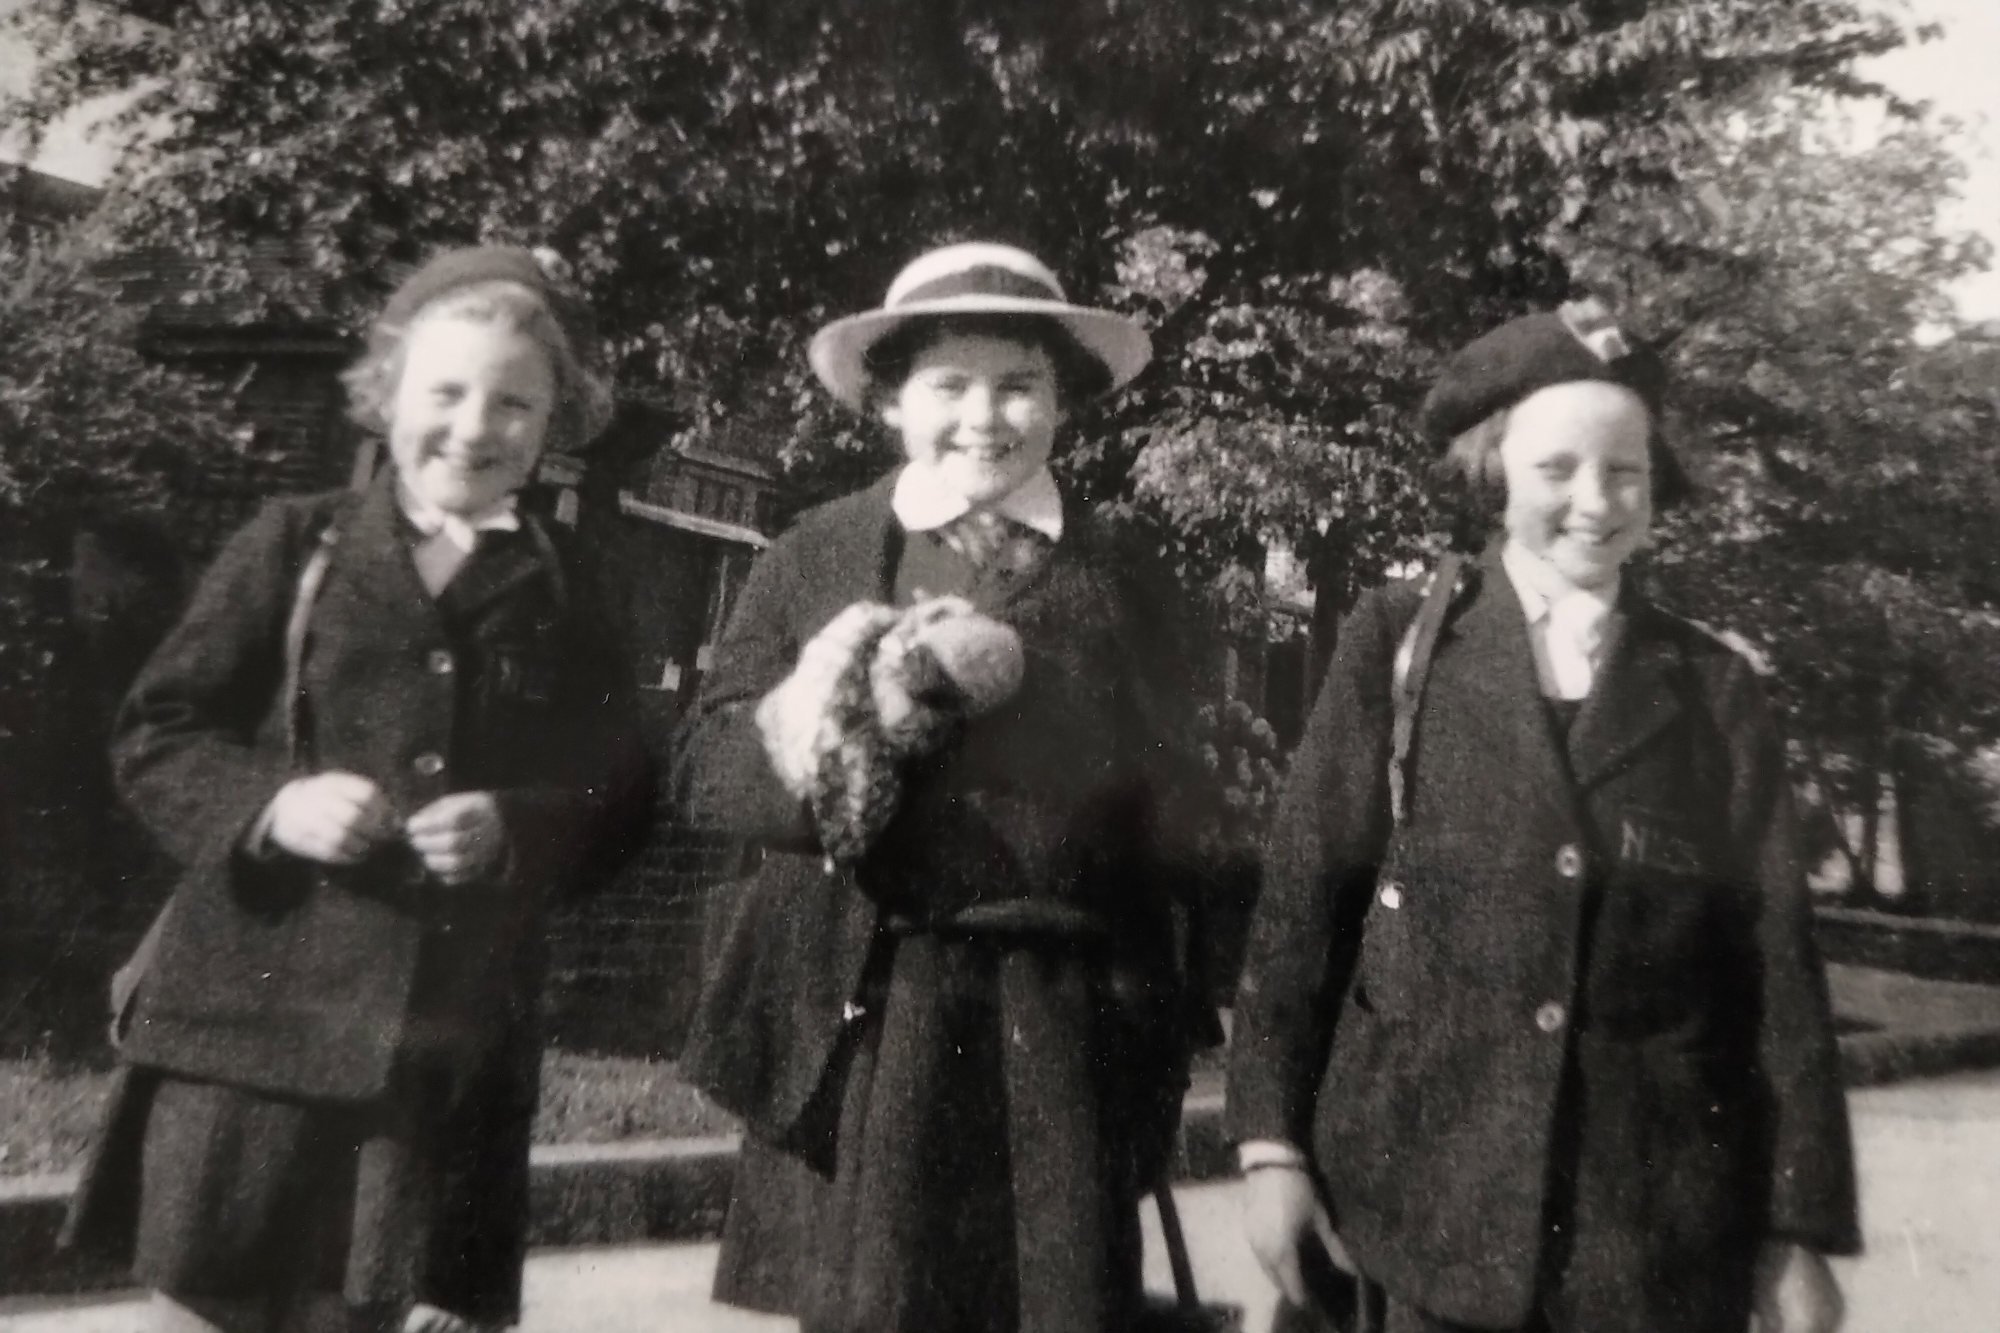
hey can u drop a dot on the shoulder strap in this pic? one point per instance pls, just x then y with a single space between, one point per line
1412 669
298 737
298 730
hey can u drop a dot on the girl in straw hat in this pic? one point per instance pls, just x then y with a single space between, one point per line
946 1003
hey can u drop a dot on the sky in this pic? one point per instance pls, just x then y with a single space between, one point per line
70 151
1958 75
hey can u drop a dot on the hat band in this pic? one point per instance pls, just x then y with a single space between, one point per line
981 280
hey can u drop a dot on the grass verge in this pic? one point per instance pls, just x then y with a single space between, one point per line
49 1109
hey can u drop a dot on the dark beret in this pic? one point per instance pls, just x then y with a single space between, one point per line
449 270
1522 356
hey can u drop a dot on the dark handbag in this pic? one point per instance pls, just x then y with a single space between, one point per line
1186 1312
126 980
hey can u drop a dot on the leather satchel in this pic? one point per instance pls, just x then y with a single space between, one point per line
125 982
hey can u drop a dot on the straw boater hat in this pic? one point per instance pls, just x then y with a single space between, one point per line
973 278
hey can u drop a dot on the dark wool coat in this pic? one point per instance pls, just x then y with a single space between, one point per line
294 979
1052 795
1578 987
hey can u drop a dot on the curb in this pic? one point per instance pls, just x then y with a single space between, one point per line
1869 1059
678 1189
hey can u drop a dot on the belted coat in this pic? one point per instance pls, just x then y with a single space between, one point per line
1065 781
1044 810
1567 1024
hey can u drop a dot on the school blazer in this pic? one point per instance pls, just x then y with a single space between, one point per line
1056 791
1599 954
296 978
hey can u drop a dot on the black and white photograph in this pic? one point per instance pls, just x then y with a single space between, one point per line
896 666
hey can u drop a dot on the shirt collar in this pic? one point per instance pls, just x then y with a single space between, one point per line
462 531
923 502
1539 587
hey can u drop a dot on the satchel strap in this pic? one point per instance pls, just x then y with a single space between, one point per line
1412 670
298 730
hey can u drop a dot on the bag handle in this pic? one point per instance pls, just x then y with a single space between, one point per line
1412 669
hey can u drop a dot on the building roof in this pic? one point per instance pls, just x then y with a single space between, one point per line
266 296
37 198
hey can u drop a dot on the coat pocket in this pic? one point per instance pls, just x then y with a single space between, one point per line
1384 982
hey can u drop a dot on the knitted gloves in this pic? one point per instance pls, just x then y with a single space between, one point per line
874 688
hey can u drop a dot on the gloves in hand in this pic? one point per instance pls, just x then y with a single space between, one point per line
874 688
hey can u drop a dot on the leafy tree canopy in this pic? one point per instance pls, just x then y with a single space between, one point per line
1305 198
87 424
1850 474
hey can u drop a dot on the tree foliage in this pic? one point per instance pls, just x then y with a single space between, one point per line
87 423
1850 472
92 434
1304 198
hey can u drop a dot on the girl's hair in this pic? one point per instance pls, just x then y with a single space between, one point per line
583 398
1475 481
1079 375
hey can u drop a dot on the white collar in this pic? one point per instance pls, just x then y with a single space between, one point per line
461 531
923 503
1539 587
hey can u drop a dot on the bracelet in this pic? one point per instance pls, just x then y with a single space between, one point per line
1273 1162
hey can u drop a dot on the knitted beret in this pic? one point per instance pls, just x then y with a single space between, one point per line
540 271
1499 369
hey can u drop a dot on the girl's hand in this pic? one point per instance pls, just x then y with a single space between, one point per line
793 716
460 838
335 818
1795 1291
1280 1208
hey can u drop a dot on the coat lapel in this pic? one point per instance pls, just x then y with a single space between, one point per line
502 562
858 563
1634 697
373 557
1486 668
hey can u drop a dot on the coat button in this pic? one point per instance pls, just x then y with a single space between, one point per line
439 662
1569 861
428 764
1391 895
1551 1017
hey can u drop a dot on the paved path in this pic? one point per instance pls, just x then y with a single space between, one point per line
1930 1166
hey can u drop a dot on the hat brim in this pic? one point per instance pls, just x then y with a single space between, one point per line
839 352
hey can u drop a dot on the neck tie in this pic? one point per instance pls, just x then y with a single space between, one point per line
994 544
1575 641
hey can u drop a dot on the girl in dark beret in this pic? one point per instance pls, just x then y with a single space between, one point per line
1532 1033
393 729
946 1002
